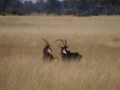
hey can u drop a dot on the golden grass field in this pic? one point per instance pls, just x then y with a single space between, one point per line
96 38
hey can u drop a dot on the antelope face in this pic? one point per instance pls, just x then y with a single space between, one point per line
49 50
64 49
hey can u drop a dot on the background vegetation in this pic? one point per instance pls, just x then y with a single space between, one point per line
57 7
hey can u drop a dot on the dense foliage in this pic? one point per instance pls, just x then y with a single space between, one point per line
57 7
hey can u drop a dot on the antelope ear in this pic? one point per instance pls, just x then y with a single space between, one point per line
67 46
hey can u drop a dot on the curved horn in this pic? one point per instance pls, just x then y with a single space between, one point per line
65 42
45 41
60 40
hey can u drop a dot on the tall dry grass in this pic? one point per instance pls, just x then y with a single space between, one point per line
96 38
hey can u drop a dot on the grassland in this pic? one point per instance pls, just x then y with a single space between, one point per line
96 38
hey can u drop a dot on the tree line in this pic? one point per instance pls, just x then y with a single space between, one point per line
64 7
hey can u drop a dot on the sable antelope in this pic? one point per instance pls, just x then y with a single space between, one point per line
47 52
68 55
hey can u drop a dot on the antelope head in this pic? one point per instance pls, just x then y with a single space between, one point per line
47 48
64 47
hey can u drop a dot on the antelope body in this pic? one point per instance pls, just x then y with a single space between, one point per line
68 55
47 56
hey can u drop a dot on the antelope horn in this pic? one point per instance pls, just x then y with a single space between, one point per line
61 41
45 41
65 42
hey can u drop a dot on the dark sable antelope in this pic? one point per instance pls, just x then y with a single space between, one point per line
68 55
47 52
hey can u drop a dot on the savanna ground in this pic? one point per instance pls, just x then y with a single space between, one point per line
96 38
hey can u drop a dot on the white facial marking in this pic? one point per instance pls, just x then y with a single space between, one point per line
64 51
49 50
